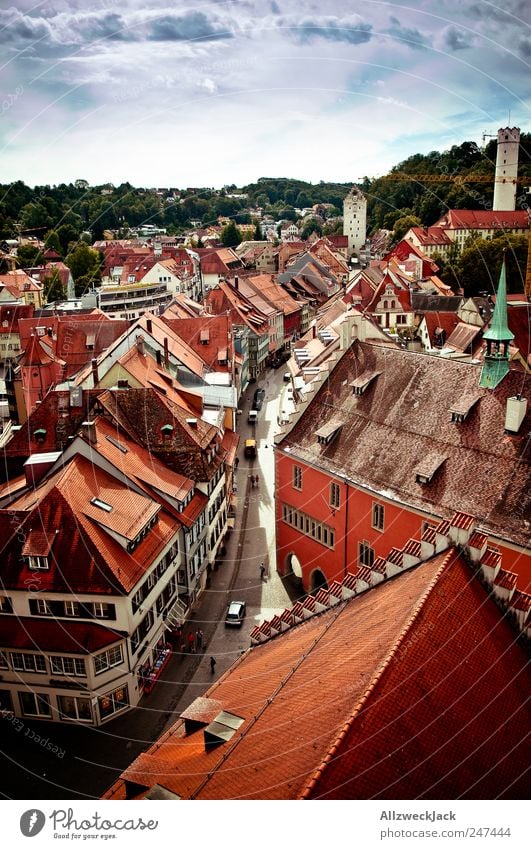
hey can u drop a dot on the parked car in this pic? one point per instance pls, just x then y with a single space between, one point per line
235 613
258 400
287 376
252 416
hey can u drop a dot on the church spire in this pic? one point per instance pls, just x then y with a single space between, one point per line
497 337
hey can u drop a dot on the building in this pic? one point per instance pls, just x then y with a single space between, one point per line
461 224
131 300
391 442
413 687
505 182
355 220
96 567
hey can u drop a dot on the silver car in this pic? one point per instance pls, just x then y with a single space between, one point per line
235 613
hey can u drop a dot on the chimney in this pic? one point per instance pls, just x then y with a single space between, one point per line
158 354
236 284
89 431
314 331
95 375
140 345
515 413
149 325
166 353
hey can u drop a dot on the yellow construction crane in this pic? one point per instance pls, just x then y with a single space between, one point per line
401 176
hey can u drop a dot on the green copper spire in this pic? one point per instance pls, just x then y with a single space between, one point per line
498 336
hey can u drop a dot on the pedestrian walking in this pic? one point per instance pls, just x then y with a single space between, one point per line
199 639
262 571
191 642
256 480
212 664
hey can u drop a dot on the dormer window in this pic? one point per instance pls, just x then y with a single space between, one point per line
37 562
167 431
361 383
425 471
462 408
40 434
36 550
328 432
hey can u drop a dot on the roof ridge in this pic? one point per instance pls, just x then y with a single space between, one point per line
314 778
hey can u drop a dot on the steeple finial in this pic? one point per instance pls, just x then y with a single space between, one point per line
497 337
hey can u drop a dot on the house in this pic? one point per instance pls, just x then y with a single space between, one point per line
289 232
251 287
429 240
391 442
392 675
10 315
434 328
460 224
105 534
384 292
249 324
18 287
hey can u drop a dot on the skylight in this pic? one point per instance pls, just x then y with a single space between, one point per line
97 502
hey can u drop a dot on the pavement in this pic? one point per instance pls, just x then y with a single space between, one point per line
90 759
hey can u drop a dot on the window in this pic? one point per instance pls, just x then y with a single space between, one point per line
335 495
27 662
308 526
35 562
113 702
297 477
72 608
3 661
68 666
102 610
34 704
74 707
42 607
365 554
5 604
107 659
378 514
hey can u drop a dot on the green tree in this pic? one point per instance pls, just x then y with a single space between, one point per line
52 242
35 216
231 235
311 225
53 287
257 235
28 256
478 267
67 233
402 225
85 264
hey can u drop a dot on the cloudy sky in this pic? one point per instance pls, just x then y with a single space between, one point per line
161 93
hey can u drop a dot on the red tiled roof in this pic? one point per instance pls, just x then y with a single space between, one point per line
30 633
445 717
474 219
84 557
383 423
413 690
431 236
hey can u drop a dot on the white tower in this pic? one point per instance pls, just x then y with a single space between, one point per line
355 219
506 169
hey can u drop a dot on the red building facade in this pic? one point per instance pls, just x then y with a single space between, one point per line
392 443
